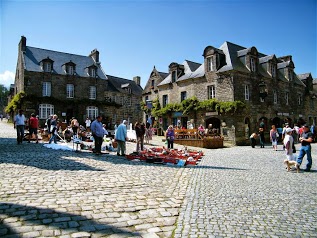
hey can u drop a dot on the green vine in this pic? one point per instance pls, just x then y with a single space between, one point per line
15 103
193 105
22 97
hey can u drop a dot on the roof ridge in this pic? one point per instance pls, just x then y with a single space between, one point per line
56 51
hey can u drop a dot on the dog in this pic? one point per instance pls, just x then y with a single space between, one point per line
290 163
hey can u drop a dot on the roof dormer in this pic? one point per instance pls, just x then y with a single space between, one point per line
251 58
69 68
92 71
287 65
214 58
176 70
47 65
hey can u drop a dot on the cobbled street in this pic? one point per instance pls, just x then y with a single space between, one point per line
233 192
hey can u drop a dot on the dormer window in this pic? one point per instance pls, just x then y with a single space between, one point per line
70 69
252 65
92 72
152 83
290 75
47 66
273 70
174 76
209 64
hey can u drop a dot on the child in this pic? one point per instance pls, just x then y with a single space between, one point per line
288 143
253 139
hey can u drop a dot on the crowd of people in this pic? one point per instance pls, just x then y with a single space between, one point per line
305 135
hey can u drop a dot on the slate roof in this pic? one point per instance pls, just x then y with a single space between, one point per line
191 70
303 76
234 61
116 84
33 56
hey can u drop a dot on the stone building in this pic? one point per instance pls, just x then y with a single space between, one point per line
72 85
267 85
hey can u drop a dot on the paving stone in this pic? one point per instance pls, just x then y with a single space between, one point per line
233 192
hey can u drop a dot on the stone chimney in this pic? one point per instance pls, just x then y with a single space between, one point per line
95 55
137 80
22 44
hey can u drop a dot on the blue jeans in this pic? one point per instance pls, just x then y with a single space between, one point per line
305 150
20 133
53 137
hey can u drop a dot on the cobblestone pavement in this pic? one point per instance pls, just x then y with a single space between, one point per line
236 191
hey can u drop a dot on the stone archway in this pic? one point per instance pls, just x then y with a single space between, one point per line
214 121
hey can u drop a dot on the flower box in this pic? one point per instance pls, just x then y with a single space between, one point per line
213 142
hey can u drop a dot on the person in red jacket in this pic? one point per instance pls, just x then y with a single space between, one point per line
33 127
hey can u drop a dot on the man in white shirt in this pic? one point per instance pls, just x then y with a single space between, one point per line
19 124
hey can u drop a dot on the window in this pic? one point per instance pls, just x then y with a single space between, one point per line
290 75
252 64
165 100
46 90
286 98
299 100
275 97
47 66
183 96
70 69
92 72
273 70
108 99
209 64
45 110
70 91
128 90
128 101
92 112
174 76
92 92
146 98
211 92
152 83
246 92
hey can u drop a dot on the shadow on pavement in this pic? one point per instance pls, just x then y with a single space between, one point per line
36 155
52 219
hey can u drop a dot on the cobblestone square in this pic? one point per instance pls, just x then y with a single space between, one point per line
233 192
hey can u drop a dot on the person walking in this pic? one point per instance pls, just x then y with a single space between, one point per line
289 144
262 138
148 134
306 139
75 125
170 136
139 131
53 129
88 123
19 125
33 127
121 137
253 139
98 133
274 137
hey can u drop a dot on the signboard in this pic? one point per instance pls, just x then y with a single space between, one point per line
211 114
177 114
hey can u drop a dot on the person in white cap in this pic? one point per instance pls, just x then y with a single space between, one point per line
288 143
121 137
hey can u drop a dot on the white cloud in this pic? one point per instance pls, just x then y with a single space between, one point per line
7 78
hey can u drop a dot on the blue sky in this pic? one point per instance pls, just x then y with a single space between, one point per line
133 36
